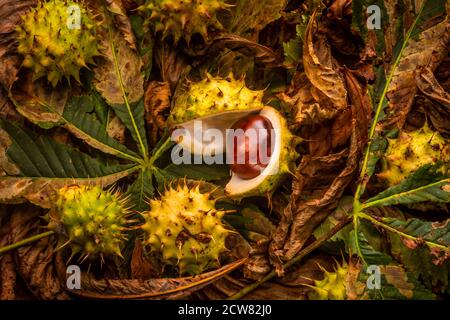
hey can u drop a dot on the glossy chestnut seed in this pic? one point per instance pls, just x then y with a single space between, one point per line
251 147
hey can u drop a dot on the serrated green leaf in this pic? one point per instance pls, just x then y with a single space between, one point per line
43 165
133 118
86 127
361 246
416 232
419 261
141 190
426 184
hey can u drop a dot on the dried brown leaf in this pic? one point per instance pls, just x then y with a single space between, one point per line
172 64
39 103
121 20
141 268
308 105
157 101
164 288
439 108
119 69
10 13
40 191
304 213
8 275
320 67
116 129
425 52
7 110
260 53
35 261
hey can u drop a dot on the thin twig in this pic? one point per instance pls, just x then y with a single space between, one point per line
313 246
26 241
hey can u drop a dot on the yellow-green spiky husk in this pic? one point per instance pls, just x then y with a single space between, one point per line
211 96
50 43
90 220
185 230
183 19
332 286
412 150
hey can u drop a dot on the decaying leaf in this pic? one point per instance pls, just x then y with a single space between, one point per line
122 21
35 262
164 288
438 108
119 71
320 67
157 101
10 12
425 52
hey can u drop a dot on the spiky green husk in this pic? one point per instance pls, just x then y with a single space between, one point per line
212 96
332 286
412 150
183 19
185 229
50 48
90 220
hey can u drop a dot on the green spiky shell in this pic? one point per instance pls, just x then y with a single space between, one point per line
332 286
410 151
185 230
212 96
183 19
50 48
90 220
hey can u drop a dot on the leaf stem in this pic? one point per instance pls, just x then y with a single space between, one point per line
26 241
313 246
361 185
125 98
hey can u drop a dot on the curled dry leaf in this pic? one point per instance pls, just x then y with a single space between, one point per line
40 191
8 275
291 286
320 67
120 67
251 16
39 103
260 53
35 261
7 109
163 288
116 129
157 101
303 214
439 108
121 20
10 12
425 52
172 64
307 108
5 164
141 268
